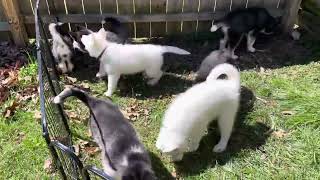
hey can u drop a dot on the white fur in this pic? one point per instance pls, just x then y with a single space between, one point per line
121 59
213 59
185 121
60 49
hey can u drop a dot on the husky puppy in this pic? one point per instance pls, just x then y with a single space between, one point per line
248 21
121 59
212 60
123 155
61 46
188 116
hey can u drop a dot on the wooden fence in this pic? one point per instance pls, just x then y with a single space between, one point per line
145 18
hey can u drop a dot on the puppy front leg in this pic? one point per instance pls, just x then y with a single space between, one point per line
101 72
112 84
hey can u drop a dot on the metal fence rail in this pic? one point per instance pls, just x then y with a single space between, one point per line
56 131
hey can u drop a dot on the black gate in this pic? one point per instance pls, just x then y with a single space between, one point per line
56 130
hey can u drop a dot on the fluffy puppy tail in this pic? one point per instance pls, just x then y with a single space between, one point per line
232 73
175 50
72 91
216 25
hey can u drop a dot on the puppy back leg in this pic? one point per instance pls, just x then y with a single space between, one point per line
223 42
250 41
234 41
154 72
225 123
112 84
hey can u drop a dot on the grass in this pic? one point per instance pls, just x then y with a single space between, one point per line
276 136
22 148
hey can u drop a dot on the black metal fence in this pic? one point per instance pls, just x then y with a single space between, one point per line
56 130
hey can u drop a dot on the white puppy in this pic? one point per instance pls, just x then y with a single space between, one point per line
186 120
212 60
120 59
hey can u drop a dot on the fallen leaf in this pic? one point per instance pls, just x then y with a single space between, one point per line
287 113
91 150
10 110
48 166
4 93
20 136
280 133
76 149
85 86
26 78
71 79
37 115
11 80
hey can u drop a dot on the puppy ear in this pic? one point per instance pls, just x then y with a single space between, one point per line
102 33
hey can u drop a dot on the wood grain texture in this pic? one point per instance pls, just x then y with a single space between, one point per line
174 6
12 12
142 28
126 8
190 6
205 6
158 28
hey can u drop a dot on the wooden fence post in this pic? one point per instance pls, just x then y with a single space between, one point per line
18 31
291 14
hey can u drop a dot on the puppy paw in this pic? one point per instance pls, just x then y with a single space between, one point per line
98 75
251 49
219 148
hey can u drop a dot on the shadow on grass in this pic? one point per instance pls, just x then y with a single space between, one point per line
158 167
136 86
244 137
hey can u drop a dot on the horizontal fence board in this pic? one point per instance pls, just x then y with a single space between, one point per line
144 18
92 18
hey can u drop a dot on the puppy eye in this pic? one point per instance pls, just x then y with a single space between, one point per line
64 55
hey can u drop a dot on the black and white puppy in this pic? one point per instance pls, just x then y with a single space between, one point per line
123 155
62 46
116 32
240 22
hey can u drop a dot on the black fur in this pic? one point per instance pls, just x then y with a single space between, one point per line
115 136
115 26
242 21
